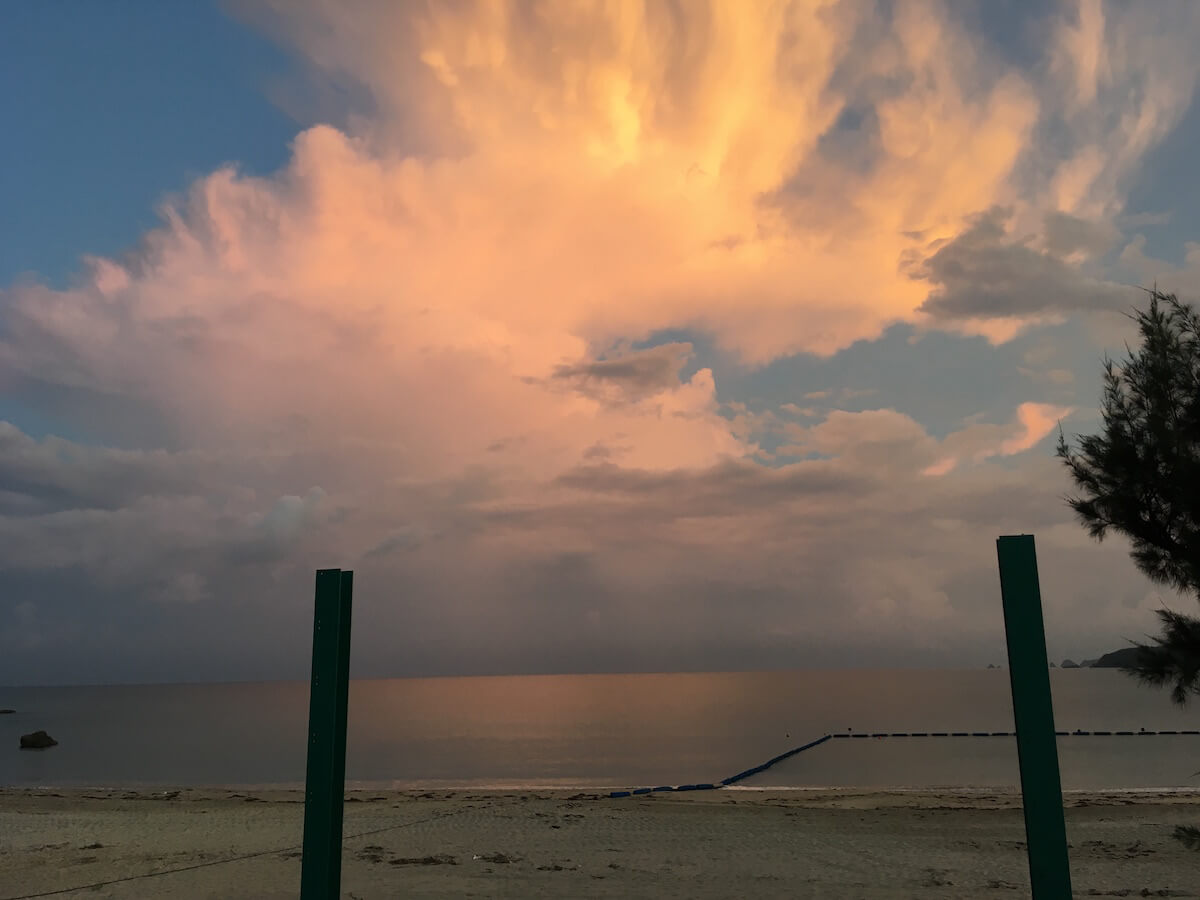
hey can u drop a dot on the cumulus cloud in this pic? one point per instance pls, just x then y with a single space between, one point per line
413 346
883 440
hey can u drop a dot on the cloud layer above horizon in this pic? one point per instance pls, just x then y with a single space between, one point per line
505 335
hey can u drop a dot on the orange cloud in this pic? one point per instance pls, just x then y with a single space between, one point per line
1037 420
663 145
885 440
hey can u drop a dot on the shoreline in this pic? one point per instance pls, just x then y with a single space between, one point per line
854 843
596 790
858 798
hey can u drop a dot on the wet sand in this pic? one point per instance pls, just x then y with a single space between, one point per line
728 843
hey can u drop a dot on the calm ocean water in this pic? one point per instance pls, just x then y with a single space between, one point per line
598 731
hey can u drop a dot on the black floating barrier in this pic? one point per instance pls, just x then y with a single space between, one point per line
733 779
741 776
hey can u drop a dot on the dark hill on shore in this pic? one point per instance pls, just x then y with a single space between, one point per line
1126 656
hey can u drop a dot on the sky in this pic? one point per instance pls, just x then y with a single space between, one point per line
623 336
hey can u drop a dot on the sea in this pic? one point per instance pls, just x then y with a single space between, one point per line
602 732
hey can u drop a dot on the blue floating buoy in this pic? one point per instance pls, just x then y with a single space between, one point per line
640 791
620 794
920 734
664 788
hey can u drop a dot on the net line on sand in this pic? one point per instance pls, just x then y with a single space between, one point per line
95 885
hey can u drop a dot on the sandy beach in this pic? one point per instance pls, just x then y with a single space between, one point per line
729 843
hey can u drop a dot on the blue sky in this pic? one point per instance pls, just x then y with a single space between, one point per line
113 105
1167 183
625 347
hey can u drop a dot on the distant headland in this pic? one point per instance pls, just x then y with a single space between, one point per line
1126 656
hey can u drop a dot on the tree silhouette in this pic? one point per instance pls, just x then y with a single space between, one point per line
1140 476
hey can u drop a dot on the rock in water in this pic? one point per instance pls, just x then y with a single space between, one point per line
5 712
39 740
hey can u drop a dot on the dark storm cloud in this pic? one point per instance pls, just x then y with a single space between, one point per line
54 474
986 273
631 376
721 487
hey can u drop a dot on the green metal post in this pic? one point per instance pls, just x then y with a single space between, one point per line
338 777
1033 713
321 865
